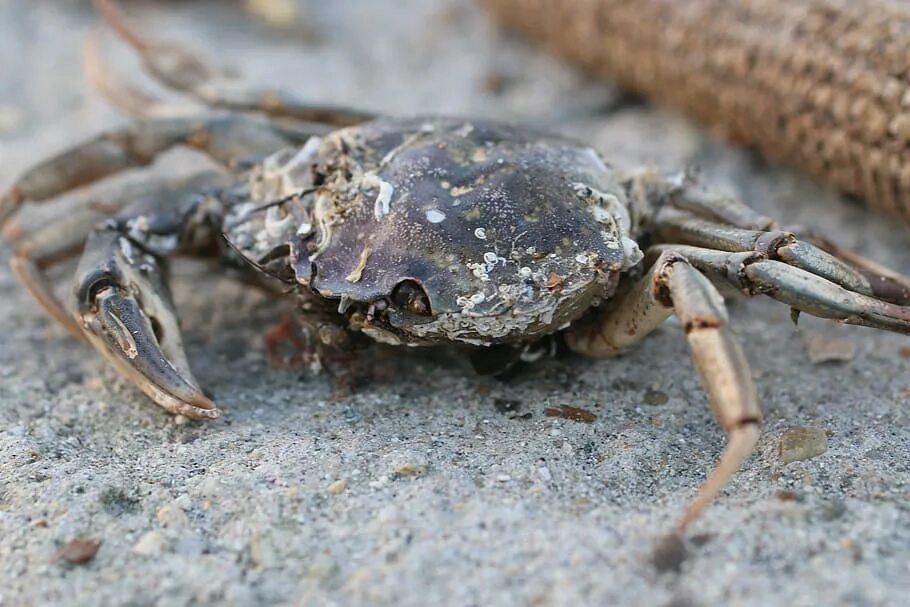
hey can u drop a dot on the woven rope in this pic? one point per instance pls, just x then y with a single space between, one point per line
823 85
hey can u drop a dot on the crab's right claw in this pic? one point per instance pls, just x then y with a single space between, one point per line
125 309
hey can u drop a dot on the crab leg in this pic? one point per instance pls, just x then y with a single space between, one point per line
225 139
123 304
179 70
35 253
885 282
688 196
753 273
673 286
678 227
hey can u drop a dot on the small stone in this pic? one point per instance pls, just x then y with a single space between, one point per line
150 544
181 420
411 470
171 515
655 398
503 478
337 487
823 349
802 443
78 551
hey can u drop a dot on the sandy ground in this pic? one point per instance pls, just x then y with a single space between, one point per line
456 490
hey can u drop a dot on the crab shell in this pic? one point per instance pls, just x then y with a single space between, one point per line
512 234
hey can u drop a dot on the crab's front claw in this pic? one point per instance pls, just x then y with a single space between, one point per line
125 310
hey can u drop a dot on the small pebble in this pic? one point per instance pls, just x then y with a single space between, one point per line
802 443
503 478
150 544
337 487
171 515
655 398
823 349
411 470
78 551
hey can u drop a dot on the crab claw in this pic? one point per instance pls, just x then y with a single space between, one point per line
125 309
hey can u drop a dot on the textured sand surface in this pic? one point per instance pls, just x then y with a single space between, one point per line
446 497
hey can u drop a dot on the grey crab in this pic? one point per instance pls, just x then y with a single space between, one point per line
422 231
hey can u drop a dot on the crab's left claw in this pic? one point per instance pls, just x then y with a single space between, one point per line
125 309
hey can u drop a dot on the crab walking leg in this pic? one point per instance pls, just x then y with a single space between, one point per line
225 138
678 227
179 70
719 207
127 97
870 276
683 192
674 286
888 284
753 273
53 244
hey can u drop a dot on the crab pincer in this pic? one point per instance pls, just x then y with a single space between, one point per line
127 314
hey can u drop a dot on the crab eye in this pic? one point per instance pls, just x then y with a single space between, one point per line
410 296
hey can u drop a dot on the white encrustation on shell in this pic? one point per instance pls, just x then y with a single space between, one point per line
383 204
435 216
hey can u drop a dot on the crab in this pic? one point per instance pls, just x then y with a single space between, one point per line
422 231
